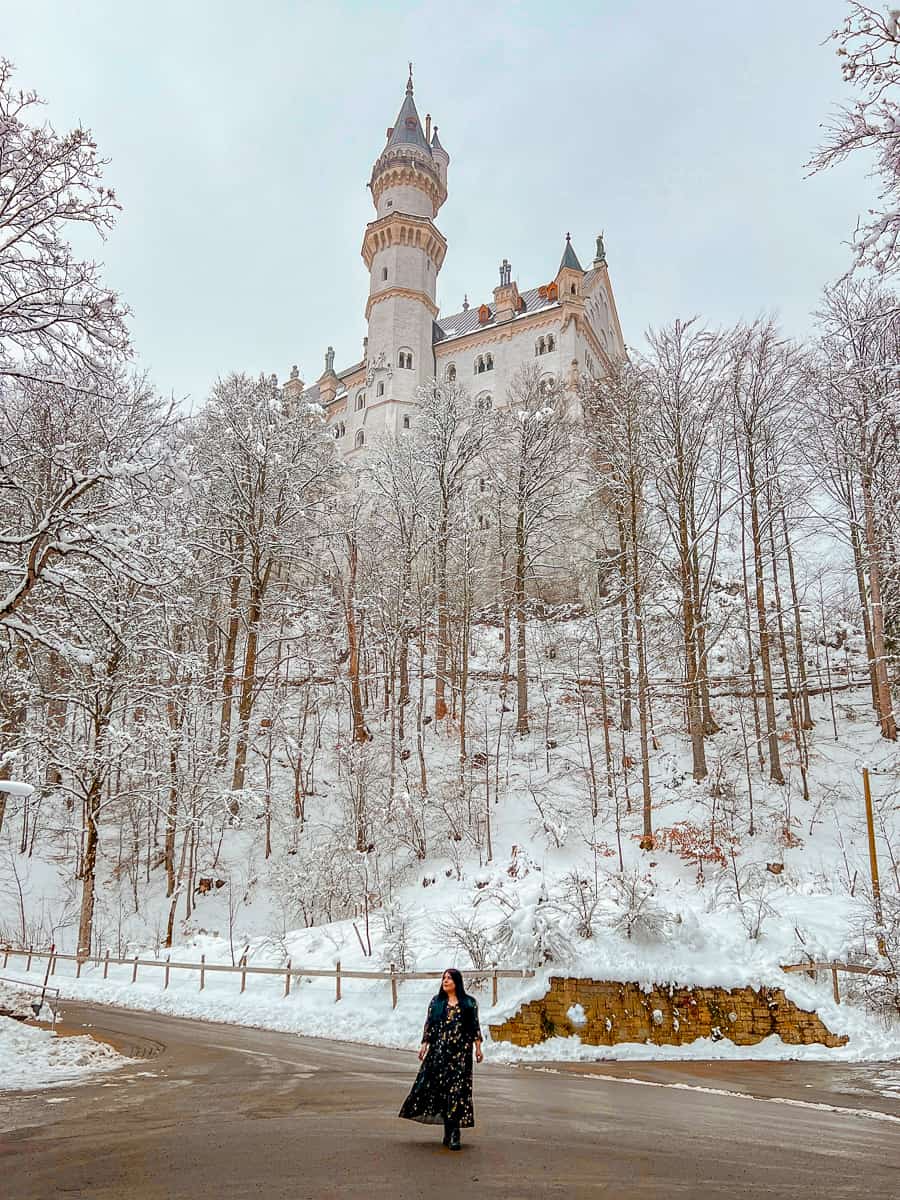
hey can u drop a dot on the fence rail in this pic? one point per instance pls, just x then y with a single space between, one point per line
50 996
288 972
810 968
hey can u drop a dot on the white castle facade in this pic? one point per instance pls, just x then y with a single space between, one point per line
567 325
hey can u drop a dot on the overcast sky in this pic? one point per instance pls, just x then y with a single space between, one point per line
241 138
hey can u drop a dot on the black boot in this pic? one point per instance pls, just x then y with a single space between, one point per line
454 1138
448 1129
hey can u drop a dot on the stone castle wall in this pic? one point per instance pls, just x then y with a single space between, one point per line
673 1016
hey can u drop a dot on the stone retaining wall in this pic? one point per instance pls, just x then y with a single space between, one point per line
673 1016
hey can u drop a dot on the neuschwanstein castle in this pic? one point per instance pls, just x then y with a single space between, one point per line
567 324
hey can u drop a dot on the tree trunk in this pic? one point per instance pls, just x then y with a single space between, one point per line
886 717
521 628
775 772
230 657
443 616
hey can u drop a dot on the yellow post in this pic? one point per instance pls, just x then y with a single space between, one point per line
873 862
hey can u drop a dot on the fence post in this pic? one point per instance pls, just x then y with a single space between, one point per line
28 964
337 981
134 972
287 979
393 986
106 965
202 971
494 984
168 960
834 985
52 964
243 972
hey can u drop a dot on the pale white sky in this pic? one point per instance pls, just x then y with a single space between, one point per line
241 137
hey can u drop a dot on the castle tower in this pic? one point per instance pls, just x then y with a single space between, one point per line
404 251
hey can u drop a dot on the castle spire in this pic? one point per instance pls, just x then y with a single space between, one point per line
407 129
570 258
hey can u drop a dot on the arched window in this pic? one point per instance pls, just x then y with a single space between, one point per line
539 346
551 342
405 360
484 402
360 439
343 429
451 373
406 422
379 391
479 365
360 400
572 289
384 272
489 362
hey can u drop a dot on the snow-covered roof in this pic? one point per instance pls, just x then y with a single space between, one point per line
458 324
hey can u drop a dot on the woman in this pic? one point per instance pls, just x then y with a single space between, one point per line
442 1091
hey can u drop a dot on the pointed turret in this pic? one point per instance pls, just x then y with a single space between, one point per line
570 258
407 129
408 176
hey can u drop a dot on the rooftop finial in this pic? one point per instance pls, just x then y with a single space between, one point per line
466 302
568 237
409 85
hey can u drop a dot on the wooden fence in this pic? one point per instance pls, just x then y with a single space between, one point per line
810 968
288 972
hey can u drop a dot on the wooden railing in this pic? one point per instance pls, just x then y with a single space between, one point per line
288 972
810 968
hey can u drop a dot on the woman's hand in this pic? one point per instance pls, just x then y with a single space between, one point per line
479 1053
423 1050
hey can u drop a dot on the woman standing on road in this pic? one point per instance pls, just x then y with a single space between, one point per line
442 1091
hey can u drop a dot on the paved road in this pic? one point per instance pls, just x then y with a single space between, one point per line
221 1111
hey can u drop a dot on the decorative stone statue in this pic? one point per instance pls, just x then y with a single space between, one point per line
601 249
295 372
329 360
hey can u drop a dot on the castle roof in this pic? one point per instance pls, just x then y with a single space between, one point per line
459 324
407 129
570 258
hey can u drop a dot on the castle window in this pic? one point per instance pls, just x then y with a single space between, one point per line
360 400
379 391
551 342
406 422
483 403
572 289
451 373
489 362
360 440
343 429
405 360
483 521
484 362
482 485
384 272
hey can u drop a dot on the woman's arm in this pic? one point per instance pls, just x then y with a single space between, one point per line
476 1032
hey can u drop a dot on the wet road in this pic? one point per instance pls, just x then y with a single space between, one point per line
223 1111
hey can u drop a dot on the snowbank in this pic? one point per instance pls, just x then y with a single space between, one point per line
39 1058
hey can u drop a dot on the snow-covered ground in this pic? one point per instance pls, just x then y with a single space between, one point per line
553 895
33 1057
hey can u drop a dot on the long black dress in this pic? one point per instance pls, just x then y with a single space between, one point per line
442 1091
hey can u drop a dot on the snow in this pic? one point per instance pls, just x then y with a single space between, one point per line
13 788
38 1058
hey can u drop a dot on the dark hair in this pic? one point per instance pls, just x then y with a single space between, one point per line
460 986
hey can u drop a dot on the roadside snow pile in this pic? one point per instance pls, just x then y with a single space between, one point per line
14 1001
38 1058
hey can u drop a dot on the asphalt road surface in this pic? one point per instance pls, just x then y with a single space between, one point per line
222 1111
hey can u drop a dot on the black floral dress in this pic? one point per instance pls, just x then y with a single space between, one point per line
442 1091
